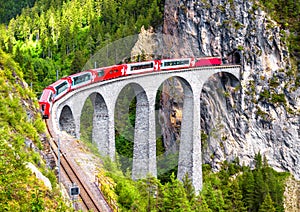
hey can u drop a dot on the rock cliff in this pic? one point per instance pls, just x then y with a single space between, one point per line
260 113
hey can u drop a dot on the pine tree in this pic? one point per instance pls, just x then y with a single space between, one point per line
201 205
261 188
174 196
267 205
236 197
258 161
78 62
189 188
248 189
213 197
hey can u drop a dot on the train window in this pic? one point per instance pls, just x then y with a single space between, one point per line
176 63
111 72
101 73
61 87
50 97
142 66
82 78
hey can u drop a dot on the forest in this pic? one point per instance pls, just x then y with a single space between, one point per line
234 188
63 35
37 38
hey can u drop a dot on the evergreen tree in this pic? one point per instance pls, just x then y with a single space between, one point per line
248 189
213 197
78 62
174 196
235 198
258 161
267 205
261 188
189 189
201 205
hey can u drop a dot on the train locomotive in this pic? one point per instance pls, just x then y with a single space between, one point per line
67 84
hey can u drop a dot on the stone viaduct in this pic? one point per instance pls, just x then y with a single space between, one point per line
66 114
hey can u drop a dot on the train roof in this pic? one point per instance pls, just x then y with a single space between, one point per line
78 74
45 95
106 67
208 57
58 82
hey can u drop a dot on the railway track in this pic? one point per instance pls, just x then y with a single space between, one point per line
86 197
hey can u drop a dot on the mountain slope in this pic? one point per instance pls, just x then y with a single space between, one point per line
21 135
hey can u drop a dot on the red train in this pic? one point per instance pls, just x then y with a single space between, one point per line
67 84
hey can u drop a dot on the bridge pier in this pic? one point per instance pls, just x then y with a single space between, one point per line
144 151
152 167
190 160
100 124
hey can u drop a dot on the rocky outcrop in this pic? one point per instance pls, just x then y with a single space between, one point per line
292 195
39 175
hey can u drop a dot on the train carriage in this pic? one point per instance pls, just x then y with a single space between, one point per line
208 61
58 89
52 93
142 67
80 79
171 64
45 103
112 72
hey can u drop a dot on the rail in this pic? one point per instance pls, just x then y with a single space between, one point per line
88 202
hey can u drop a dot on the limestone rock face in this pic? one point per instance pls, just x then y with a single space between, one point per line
260 113
239 117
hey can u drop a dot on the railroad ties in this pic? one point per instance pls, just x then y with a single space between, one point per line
88 201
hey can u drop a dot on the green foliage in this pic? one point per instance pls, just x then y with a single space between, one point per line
234 188
247 186
267 205
189 188
20 190
11 8
204 138
265 94
124 126
286 13
166 166
160 149
86 121
62 35
278 98
174 196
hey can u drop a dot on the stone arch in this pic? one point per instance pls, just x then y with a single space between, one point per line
139 129
219 101
66 121
100 123
177 115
